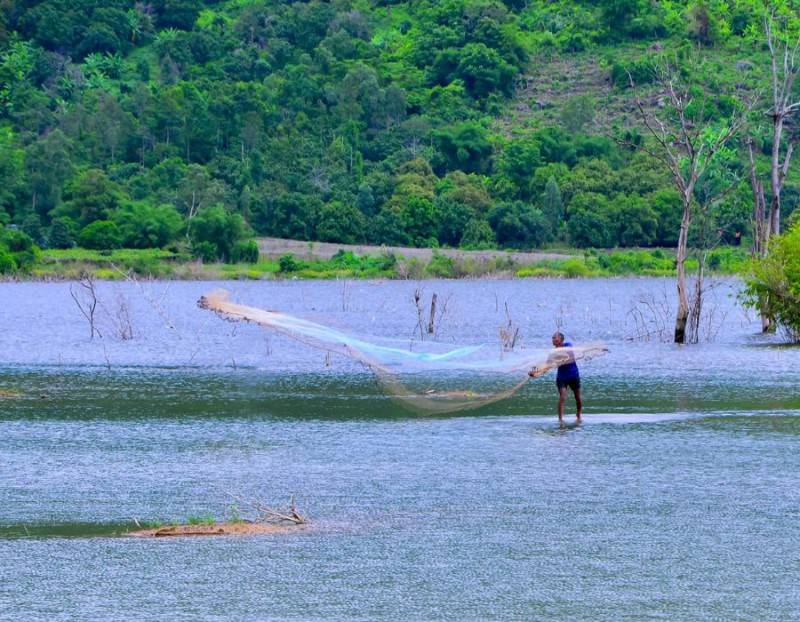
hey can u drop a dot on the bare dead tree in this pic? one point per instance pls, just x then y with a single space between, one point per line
432 320
784 104
686 146
442 313
85 297
784 66
420 312
760 213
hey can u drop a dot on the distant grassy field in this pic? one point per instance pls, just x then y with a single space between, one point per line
293 259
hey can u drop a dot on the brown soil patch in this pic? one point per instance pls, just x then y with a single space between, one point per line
4 393
217 529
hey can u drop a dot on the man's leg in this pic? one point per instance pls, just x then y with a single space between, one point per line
562 396
578 402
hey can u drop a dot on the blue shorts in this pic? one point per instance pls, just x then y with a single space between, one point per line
572 383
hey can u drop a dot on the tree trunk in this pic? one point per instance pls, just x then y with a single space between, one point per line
680 260
775 204
696 311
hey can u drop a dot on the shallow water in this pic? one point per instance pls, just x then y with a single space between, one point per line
677 497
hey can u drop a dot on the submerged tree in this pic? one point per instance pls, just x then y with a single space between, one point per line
784 104
688 135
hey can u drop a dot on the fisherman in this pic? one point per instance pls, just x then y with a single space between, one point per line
568 376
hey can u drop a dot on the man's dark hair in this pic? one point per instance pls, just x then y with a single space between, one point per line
559 334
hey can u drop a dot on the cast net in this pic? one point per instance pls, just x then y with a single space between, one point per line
430 378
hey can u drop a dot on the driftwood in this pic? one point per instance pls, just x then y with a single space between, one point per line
263 513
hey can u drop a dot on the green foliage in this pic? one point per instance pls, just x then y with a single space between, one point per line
773 284
464 147
91 196
440 266
142 225
201 520
17 251
288 263
340 222
100 235
7 261
577 113
478 235
418 217
215 231
590 222
520 225
349 122
62 233
245 251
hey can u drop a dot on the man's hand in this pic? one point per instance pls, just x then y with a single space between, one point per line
536 372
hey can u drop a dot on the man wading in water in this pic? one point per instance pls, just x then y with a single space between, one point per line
567 376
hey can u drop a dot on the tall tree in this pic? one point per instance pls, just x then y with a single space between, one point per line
784 72
784 104
686 141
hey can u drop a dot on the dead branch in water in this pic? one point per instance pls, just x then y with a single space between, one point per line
432 321
436 314
420 312
117 319
86 301
263 513
509 334
651 318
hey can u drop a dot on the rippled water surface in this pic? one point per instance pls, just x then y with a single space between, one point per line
676 499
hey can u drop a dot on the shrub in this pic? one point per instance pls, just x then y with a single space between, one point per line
62 233
142 225
288 263
774 282
100 235
245 251
205 251
441 266
216 226
17 241
574 268
478 235
7 262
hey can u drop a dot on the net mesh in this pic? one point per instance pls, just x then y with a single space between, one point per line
427 379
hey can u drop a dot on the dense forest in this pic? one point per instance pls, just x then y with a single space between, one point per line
471 123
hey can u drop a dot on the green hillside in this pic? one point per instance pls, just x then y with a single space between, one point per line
471 123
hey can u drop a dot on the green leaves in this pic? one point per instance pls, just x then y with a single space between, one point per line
773 284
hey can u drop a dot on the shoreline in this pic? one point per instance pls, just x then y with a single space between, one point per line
319 261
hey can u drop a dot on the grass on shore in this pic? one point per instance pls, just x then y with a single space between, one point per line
164 264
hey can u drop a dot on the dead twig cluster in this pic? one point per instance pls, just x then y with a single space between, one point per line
509 333
260 512
651 318
117 319
706 316
157 303
430 318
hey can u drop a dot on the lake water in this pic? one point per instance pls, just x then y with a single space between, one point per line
677 499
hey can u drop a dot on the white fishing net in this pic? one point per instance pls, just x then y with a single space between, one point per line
428 379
